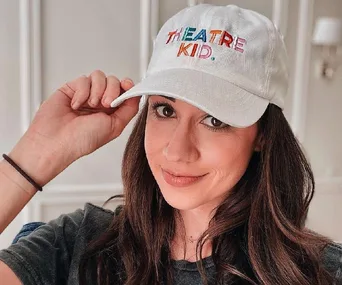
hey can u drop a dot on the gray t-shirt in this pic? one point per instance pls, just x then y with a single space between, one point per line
51 254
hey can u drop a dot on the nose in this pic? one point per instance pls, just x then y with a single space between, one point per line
182 145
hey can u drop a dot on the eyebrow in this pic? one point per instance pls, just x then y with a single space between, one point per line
169 98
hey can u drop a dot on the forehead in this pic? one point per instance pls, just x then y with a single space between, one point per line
166 97
178 103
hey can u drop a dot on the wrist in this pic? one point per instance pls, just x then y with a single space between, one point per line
9 173
38 159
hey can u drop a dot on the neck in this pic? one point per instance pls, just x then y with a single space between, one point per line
190 225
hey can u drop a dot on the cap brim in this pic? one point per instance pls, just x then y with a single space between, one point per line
217 97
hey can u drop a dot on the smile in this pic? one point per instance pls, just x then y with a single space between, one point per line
180 180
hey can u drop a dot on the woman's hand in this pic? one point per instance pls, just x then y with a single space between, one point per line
75 121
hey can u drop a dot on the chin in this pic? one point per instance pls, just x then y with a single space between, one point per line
182 205
180 201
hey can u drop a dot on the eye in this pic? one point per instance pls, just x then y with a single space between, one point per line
165 110
214 123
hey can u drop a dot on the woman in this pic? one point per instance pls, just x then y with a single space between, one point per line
216 187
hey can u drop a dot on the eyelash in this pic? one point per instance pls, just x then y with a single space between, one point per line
156 105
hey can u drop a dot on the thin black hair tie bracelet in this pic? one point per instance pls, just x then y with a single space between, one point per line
22 172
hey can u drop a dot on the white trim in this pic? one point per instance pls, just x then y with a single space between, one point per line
280 15
154 19
71 200
145 35
30 71
66 194
59 201
25 64
25 80
192 3
30 60
111 188
37 97
37 211
302 68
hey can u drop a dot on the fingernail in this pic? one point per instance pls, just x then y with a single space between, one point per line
75 105
94 101
108 101
127 80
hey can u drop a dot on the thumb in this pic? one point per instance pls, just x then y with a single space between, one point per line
124 114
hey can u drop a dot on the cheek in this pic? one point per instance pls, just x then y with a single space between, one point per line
149 139
154 138
228 157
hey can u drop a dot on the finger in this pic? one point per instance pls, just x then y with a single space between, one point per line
125 112
98 86
70 87
127 84
112 91
75 90
81 87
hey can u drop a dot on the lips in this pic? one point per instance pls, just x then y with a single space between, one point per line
180 179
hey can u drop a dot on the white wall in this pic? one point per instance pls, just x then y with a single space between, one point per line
80 36
323 137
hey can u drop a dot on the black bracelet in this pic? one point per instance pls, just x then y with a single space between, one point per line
29 179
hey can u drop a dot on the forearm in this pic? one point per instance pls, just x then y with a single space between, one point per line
15 191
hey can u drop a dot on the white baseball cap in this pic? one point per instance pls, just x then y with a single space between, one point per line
227 61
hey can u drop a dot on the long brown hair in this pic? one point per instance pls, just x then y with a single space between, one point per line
258 232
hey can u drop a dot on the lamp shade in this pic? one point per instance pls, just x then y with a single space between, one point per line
328 31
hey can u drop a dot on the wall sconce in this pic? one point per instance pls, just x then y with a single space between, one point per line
328 37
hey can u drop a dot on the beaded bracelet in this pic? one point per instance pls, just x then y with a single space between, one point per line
22 172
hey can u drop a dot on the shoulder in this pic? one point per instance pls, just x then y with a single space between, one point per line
332 259
96 218
88 216
96 211
86 223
